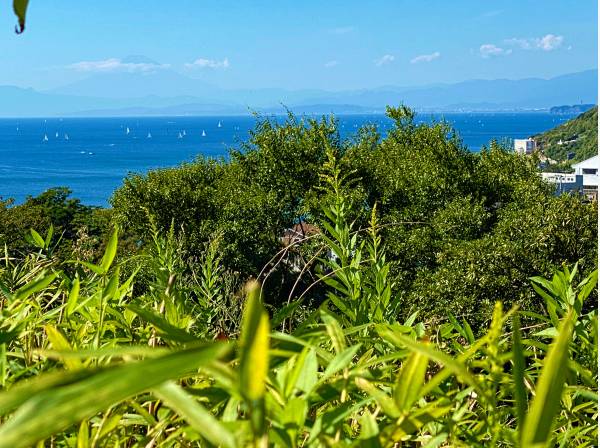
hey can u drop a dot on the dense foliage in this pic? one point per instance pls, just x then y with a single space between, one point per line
86 361
578 136
462 229
81 229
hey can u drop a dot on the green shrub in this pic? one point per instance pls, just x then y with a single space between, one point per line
84 361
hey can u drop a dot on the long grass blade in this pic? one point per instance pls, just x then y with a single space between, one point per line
54 409
538 423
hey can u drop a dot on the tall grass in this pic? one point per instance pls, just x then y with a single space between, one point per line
87 362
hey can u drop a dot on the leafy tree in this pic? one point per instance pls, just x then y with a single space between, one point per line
441 209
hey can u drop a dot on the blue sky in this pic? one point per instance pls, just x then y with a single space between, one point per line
329 45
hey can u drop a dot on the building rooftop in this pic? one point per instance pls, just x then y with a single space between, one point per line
592 162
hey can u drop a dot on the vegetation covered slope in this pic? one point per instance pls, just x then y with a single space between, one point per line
578 136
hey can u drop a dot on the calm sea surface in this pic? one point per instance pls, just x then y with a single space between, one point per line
92 155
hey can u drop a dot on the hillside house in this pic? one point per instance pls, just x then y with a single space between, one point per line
583 181
588 169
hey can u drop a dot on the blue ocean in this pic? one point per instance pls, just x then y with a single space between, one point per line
91 156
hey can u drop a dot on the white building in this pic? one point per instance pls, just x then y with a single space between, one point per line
588 169
524 145
584 180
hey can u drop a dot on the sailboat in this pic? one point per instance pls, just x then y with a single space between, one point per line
179 135
149 135
66 136
45 138
127 130
219 125
56 135
203 133
184 134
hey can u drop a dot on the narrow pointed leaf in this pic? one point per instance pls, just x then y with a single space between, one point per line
195 414
410 381
538 423
110 251
519 373
54 409
254 345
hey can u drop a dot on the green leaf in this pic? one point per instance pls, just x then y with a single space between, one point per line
112 287
56 406
254 345
587 286
456 367
295 412
410 381
285 312
110 251
538 423
334 330
73 296
166 330
49 235
35 286
414 421
519 372
92 267
60 342
20 10
195 414
304 374
340 361
23 391
369 431
37 239
83 436
386 403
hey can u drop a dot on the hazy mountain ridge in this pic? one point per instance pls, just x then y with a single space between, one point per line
166 92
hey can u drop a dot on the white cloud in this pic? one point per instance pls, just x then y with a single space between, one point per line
425 58
342 30
491 50
492 13
331 64
548 42
116 65
385 59
208 63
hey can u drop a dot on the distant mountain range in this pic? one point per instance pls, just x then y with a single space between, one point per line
167 92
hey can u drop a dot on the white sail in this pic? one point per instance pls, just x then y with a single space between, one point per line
45 138
179 135
219 125
184 133
127 131
56 135
203 134
149 135
66 136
